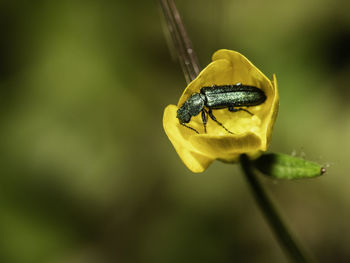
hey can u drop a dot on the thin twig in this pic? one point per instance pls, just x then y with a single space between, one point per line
186 40
187 57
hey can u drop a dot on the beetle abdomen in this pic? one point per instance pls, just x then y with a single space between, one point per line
232 96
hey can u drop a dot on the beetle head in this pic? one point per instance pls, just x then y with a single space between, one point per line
192 107
183 115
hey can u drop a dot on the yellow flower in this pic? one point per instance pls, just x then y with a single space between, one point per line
251 133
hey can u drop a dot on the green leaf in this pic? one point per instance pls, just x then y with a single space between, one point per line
283 166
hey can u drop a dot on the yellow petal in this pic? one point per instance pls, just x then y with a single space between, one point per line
216 73
272 115
194 161
225 147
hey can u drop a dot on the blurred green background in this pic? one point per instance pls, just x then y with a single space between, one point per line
87 172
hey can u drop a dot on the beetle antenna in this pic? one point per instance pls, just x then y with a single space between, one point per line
193 129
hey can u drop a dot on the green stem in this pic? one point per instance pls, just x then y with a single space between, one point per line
280 230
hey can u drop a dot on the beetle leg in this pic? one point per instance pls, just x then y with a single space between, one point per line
204 119
235 110
214 119
193 129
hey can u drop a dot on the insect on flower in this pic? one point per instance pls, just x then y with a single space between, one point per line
219 97
241 115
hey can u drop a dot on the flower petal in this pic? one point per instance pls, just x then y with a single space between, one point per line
193 159
241 69
216 73
226 147
272 115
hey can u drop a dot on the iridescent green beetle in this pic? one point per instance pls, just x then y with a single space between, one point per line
219 97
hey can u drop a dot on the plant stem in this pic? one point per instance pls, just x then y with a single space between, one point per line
271 215
190 66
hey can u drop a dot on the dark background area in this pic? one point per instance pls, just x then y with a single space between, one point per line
87 172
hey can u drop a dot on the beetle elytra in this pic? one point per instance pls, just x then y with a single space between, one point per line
219 97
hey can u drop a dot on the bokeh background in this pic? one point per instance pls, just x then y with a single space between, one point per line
87 172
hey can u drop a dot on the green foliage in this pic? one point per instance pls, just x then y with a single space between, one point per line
283 166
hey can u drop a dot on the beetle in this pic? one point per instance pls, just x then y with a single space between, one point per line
219 97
